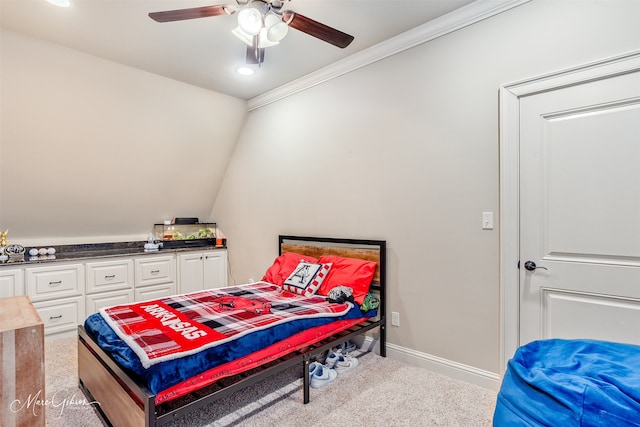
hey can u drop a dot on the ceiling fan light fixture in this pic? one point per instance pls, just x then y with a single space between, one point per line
246 38
250 21
264 41
276 30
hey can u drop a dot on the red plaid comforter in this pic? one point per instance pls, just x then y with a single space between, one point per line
181 325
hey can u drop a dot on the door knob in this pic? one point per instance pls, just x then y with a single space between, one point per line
530 265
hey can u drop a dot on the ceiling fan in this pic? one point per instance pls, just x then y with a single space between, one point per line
261 24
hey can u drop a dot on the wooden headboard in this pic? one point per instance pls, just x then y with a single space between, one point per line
370 250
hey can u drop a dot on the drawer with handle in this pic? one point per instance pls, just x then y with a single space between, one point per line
155 270
44 283
94 302
155 292
61 315
109 275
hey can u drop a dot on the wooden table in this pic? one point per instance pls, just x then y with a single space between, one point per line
22 396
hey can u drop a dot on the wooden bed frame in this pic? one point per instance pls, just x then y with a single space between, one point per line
123 401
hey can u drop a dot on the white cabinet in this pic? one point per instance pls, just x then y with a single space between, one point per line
109 283
66 293
202 270
54 281
155 291
11 282
95 302
152 270
190 272
109 275
215 269
61 314
155 277
57 292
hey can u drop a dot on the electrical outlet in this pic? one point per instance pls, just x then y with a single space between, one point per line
395 318
251 280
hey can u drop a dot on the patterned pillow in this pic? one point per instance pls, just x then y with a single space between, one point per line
306 278
284 265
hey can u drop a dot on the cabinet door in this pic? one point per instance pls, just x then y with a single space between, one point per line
11 282
191 272
215 269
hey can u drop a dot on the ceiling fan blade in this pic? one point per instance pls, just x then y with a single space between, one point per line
255 55
192 13
316 29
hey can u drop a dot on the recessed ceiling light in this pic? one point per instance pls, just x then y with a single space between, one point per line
246 71
61 3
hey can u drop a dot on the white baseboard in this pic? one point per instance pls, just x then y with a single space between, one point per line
449 368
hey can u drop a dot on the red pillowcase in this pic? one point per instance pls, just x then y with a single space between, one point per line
356 274
284 265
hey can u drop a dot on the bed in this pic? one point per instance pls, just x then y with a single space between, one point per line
134 382
559 382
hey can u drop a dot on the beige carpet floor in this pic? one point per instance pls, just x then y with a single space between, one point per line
379 392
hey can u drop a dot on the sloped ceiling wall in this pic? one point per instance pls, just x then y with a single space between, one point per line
95 151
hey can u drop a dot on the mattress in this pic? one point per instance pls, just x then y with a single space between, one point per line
169 373
571 383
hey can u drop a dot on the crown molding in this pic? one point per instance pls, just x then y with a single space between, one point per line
459 18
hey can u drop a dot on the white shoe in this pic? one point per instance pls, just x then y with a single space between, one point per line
345 363
312 368
332 358
322 376
345 347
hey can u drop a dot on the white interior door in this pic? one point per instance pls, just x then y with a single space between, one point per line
579 213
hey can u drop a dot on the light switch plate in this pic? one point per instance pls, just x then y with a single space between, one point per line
487 220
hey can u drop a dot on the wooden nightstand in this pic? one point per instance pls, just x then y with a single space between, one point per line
21 363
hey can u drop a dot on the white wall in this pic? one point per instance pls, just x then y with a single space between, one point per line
407 150
93 150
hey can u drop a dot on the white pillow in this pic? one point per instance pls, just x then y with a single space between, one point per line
306 278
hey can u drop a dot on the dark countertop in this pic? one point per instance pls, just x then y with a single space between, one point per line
99 250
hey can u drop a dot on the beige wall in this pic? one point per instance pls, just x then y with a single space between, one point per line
93 150
407 150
